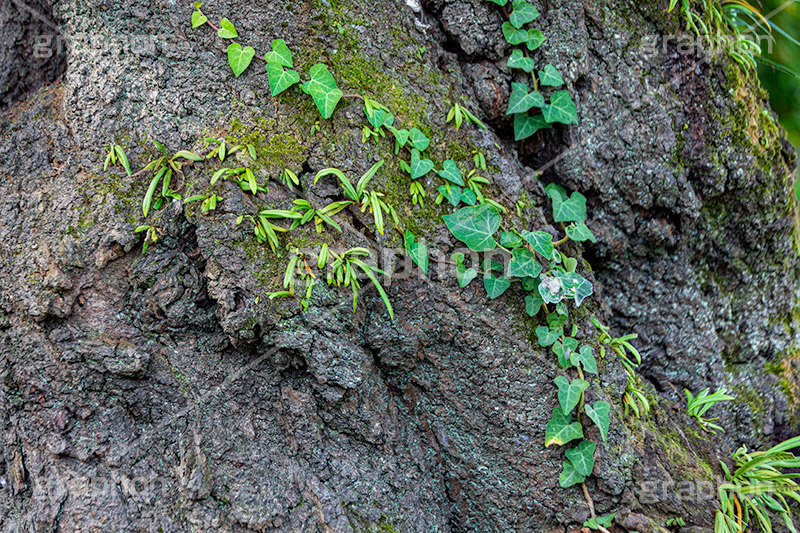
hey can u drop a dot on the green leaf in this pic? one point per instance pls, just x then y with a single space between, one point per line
569 393
523 264
499 2
599 413
280 54
418 139
546 336
582 291
511 240
526 125
495 285
417 251
468 197
226 29
451 173
239 58
323 90
579 232
475 226
186 154
566 210
533 303
419 167
151 190
280 79
123 159
535 39
540 241
550 77
198 19
380 117
582 457
561 429
517 60
586 358
465 275
453 194
564 285
569 476
521 100
513 35
605 521
523 13
561 109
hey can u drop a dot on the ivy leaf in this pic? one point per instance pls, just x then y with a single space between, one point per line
452 194
605 521
517 60
511 240
513 35
560 351
523 13
400 137
540 241
523 264
380 117
572 209
475 226
586 358
546 336
561 429
583 291
239 58
280 54
550 77
533 303
418 139
499 2
322 88
599 414
495 285
521 100
556 320
419 167
451 173
526 125
561 109
198 19
465 276
569 476
580 232
582 457
226 29
468 197
280 79
535 39
417 251
569 393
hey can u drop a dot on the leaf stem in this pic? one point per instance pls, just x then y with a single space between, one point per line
562 241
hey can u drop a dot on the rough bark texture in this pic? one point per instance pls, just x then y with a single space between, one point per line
165 392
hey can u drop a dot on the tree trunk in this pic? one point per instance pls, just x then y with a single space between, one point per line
168 392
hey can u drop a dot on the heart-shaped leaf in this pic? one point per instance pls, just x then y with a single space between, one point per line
521 100
239 58
526 125
569 393
561 109
533 303
582 457
513 35
540 241
511 240
561 429
280 79
465 276
419 167
198 19
523 264
572 209
226 29
582 291
468 197
517 60
280 54
495 285
452 194
523 13
579 232
418 139
381 117
417 251
535 39
323 90
451 173
550 77
400 137
599 413
569 476
475 226
586 358
546 336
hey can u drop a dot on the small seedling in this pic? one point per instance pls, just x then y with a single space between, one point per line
459 114
116 156
696 407
150 236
